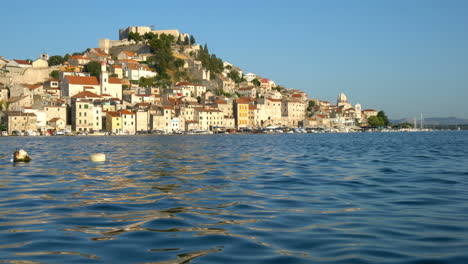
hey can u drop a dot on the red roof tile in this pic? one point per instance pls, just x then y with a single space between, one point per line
274 100
25 62
115 80
54 119
86 94
34 86
183 83
82 80
130 53
79 57
126 112
113 114
243 100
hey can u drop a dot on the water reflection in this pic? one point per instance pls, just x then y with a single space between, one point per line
239 199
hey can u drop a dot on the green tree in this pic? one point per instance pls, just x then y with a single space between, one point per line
179 41
146 82
384 118
198 99
311 104
66 57
186 40
94 68
54 74
135 36
406 125
192 40
375 121
256 82
56 60
149 35
235 76
179 63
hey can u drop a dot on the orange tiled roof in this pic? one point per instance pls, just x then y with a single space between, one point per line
54 119
79 57
82 80
115 80
183 83
25 62
129 61
130 53
243 100
126 112
274 100
113 114
86 94
34 86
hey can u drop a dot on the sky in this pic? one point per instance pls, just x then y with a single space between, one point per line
406 58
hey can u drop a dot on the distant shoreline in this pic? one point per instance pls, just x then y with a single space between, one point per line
234 133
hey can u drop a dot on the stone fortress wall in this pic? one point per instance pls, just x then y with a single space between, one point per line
26 75
107 44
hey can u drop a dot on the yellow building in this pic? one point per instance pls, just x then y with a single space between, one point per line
113 122
241 112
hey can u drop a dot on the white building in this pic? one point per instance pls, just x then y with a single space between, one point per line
135 72
250 77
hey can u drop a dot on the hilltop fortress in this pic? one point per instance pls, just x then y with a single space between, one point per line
106 44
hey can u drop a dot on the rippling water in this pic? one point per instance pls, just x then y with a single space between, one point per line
292 198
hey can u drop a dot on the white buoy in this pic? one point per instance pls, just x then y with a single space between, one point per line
20 155
97 157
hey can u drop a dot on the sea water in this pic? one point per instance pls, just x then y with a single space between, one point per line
287 198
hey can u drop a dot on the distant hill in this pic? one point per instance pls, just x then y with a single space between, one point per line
434 121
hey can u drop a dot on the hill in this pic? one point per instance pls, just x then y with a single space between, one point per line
434 121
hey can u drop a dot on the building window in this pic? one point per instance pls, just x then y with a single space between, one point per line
86 106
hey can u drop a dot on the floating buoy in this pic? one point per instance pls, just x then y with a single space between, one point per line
97 157
20 155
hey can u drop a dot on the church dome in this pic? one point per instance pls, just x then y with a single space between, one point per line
342 98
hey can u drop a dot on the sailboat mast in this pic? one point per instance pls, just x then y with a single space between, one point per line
422 121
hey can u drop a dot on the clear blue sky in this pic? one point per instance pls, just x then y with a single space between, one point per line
405 57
